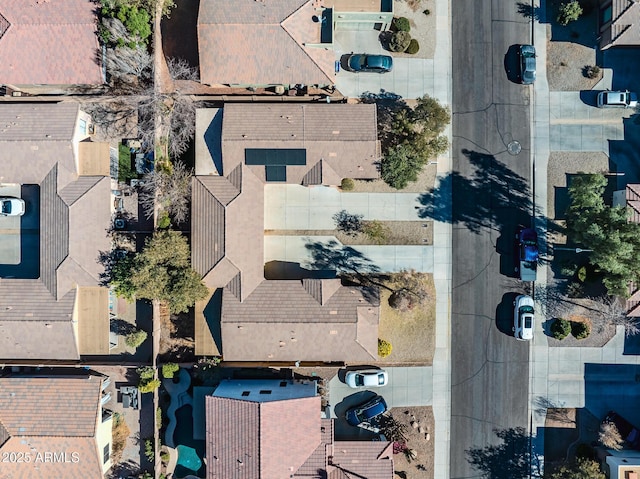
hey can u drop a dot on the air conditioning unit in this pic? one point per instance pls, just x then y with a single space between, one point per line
91 128
16 93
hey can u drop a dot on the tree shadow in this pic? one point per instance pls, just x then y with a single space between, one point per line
121 327
388 105
529 11
494 197
512 458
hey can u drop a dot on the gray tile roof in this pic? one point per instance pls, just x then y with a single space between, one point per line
624 29
75 214
343 137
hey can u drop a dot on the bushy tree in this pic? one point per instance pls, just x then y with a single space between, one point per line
161 271
560 328
580 330
169 370
614 241
401 24
582 469
399 41
414 138
135 339
569 12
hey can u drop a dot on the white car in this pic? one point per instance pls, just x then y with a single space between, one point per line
523 318
11 206
368 378
618 99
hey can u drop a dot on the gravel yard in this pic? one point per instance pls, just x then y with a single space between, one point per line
420 423
423 27
425 183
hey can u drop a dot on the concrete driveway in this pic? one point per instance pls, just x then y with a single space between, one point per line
408 386
410 77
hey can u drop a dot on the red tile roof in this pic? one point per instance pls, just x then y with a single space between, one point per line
49 42
249 42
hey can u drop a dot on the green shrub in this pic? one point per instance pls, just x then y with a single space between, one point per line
347 184
569 12
164 456
149 386
401 24
146 372
592 71
376 230
582 274
149 450
384 348
399 41
136 20
133 340
413 47
159 418
164 221
169 370
580 330
575 290
560 328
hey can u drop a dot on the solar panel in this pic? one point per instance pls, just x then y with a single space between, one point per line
276 173
275 156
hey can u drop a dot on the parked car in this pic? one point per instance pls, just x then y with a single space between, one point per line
361 62
364 413
368 378
617 99
527 245
11 206
523 318
527 54
627 431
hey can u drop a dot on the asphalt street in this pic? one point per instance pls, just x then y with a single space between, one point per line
491 196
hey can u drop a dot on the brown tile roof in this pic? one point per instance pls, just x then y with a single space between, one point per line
282 321
238 42
343 137
362 460
49 42
75 214
51 415
260 440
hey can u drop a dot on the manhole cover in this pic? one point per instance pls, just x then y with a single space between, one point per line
514 148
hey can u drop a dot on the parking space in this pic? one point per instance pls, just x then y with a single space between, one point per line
20 235
410 77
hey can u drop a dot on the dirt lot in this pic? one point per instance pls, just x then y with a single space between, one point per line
411 333
422 466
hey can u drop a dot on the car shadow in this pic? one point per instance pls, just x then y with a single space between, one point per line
506 248
511 64
504 314
345 431
589 97
344 62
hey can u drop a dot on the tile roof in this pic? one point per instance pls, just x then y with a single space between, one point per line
49 42
45 415
287 438
237 41
343 137
254 440
624 29
75 214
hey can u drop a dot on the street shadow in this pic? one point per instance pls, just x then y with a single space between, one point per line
504 314
494 197
512 458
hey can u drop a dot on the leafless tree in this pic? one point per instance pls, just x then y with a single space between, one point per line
179 69
554 304
611 310
553 411
170 188
609 436
409 290
123 62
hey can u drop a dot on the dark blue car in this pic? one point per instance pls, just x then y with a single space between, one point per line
527 253
367 411
370 63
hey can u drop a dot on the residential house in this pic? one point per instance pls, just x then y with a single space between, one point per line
52 304
50 42
54 427
279 42
619 22
630 197
247 317
623 464
273 429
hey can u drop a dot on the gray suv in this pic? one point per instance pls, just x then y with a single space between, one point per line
527 54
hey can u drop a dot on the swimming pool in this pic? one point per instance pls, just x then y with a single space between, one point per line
190 451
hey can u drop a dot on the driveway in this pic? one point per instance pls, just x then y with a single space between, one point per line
410 77
408 386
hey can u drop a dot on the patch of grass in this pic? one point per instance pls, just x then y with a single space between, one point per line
407 329
125 172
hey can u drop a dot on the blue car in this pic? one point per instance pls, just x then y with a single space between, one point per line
367 411
370 63
527 254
